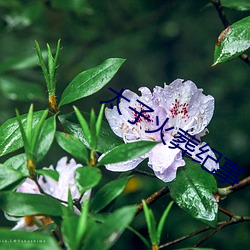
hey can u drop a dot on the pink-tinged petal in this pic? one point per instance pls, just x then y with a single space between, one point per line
29 187
59 189
187 107
165 161
124 166
209 164
202 133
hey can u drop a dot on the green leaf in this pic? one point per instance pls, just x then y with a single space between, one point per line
8 176
162 221
233 41
193 191
107 139
46 137
70 201
127 152
53 174
87 177
37 132
74 228
19 90
108 193
20 204
151 223
43 65
69 230
73 146
105 235
18 162
10 136
99 121
84 125
16 240
90 81
241 5
82 223
92 127
143 239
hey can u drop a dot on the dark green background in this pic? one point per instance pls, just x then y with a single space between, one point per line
162 41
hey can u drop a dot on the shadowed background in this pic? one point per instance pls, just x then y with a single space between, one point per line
161 41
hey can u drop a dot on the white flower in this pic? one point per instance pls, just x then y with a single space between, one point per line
58 189
185 107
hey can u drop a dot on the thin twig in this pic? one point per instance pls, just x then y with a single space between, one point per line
223 192
222 15
42 192
235 220
144 173
185 237
226 23
224 211
152 198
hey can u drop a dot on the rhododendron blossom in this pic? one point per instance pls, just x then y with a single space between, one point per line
182 105
58 189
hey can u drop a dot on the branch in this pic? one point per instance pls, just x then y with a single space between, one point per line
235 220
152 198
226 23
144 173
223 192
185 237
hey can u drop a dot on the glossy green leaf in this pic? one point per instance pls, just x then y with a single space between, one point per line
233 41
87 177
19 90
73 146
107 139
46 138
108 193
241 5
16 240
127 152
9 175
10 136
20 204
90 81
105 235
193 191
18 162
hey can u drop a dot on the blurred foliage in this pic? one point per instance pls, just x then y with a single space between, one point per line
161 41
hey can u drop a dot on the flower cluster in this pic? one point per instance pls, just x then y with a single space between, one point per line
58 189
184 105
